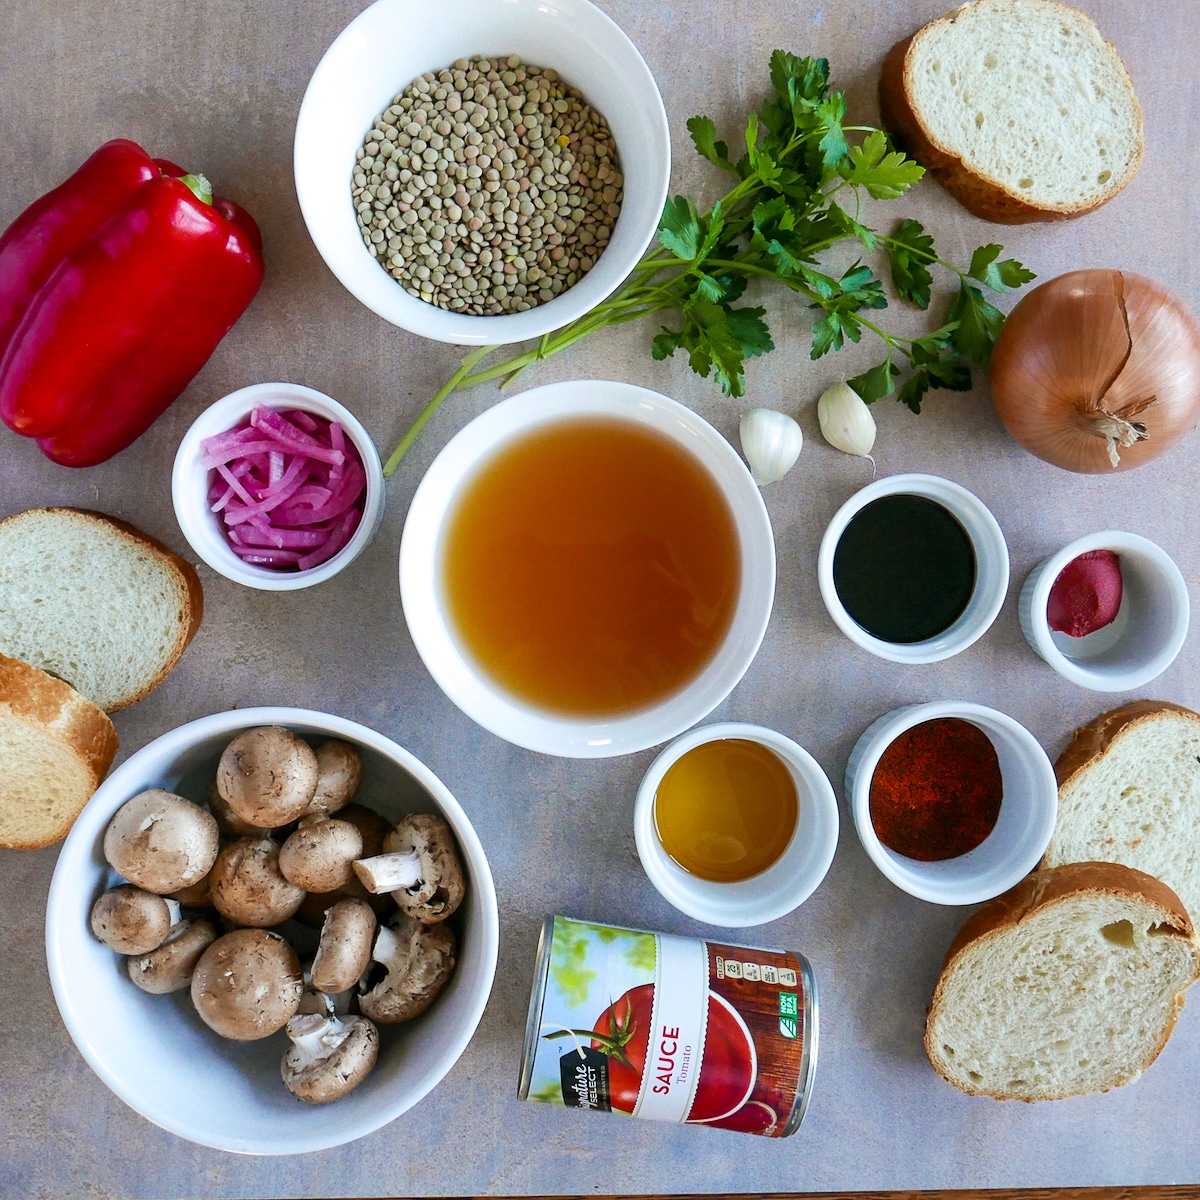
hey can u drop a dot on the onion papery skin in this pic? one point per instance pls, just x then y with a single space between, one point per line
1091 343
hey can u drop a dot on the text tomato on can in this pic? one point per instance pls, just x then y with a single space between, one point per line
670 1028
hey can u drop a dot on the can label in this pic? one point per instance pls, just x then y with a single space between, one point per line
669 1028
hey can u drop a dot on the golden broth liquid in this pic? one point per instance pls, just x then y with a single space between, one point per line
726 810
591 568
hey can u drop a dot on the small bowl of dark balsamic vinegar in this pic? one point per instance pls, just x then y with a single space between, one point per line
952 801
913 568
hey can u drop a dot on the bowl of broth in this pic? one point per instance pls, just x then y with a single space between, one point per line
587 569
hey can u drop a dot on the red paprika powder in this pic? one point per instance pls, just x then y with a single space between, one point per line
936 791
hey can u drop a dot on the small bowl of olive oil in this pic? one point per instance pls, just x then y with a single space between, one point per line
735 824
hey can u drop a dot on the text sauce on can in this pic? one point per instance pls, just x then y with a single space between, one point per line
670 1028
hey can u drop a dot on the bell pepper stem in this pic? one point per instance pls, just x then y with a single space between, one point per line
199 187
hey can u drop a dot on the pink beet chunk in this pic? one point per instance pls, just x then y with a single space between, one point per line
1086 596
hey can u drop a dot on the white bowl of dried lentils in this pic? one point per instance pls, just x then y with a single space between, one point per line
483 171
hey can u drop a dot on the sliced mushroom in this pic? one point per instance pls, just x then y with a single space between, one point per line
267 776
248 887
169 967
247 984
318 856
420 868
132 921
419 959
339 772
160 841
344 951
328 1058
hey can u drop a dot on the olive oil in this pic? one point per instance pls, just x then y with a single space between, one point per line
726 810
591 568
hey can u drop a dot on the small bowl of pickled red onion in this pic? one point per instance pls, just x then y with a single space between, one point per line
277 486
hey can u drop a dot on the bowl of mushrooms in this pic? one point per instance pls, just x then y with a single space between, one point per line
272 931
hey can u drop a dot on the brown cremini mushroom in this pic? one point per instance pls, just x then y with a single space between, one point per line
267 776
248 887
318 857
160 841
339 772
247 984
228 822
419 959
129 920
344 951
169 967
328 1057
419 867
373 829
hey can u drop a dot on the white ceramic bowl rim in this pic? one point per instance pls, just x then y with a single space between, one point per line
75 863
991 568
420 574
783 886
203 529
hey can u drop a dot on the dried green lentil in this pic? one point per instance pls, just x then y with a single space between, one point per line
487 187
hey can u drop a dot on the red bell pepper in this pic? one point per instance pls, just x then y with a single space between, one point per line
115 289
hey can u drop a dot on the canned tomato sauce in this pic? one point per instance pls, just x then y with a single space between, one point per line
670 1028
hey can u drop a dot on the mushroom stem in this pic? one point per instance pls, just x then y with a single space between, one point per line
389 872
316 1036
387 946
174 909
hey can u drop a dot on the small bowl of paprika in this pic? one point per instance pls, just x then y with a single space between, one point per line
954 802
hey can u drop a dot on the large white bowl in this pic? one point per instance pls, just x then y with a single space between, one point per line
155 1052
385 48
421 571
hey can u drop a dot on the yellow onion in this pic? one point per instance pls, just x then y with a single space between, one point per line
1098 371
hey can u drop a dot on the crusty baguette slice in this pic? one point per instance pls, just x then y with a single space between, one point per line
1018 107
94 601
1129 792
1069 983
56 747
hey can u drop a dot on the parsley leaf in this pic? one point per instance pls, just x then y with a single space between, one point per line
886 174
909 250
879 381
999 276
679 230
704 136
979 324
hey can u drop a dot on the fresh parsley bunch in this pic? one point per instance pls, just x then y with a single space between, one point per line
775 222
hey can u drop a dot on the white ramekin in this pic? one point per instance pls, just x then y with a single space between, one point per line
203 528
1149 629
991 568
1023 829
773 893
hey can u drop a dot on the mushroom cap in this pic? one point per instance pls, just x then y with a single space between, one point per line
441 888
248 887
160 841
419 966
195 895
228 822
344 951
339 772
247 984
129 920
339 1070
318 857
267 776
169 967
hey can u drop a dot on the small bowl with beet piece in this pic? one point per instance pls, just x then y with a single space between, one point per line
277 487
954 802
1108 612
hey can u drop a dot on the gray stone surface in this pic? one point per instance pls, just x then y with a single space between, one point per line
216 86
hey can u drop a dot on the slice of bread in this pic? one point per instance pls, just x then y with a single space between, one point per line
95 602
1129 792
56 747
1018 107
1069 983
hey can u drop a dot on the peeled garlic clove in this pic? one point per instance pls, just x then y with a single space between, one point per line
846 421
771 442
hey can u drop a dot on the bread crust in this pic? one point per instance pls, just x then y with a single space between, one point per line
985 197
1052 885
184 574
36 698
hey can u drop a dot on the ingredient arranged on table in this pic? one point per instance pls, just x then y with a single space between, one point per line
771 442
56 747
670 1028
846 421
249 982
1086 596
904 568
965 92
1098 371
936 790
289 487
118 285
1070 983
1129 792
94 602
591 567
778 216
726 810
488 187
